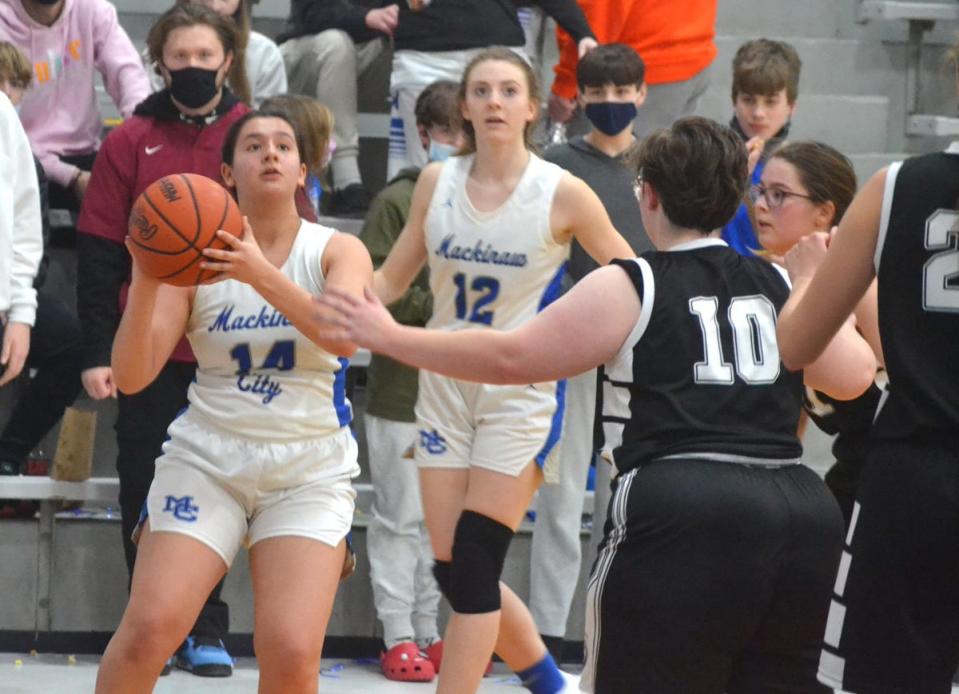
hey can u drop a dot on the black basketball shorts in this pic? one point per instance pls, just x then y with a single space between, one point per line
712 577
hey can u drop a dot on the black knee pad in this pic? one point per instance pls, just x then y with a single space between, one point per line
479 550
441 572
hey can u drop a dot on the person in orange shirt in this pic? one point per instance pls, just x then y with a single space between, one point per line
675 40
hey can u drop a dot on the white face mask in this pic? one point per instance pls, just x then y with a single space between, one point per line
440 151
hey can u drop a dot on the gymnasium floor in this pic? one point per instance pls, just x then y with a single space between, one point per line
61 674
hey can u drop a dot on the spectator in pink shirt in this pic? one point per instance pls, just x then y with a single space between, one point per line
67 41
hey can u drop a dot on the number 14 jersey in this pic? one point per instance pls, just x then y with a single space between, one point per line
700 376
258 376
496 268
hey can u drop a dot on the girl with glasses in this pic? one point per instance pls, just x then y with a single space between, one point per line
806 188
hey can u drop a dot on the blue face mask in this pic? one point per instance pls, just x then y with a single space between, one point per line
440 151
611 117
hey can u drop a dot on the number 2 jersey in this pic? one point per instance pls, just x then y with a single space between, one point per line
917 261
257 375
495 268
699 375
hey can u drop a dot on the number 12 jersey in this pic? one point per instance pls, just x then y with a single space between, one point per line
496 268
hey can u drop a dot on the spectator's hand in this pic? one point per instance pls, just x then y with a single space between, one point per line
560 109
98 382
585 45
384 20
754 150
16 346
805 257
80 184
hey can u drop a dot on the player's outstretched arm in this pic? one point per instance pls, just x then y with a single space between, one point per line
408 254
578 213
567 338
826 289
153 322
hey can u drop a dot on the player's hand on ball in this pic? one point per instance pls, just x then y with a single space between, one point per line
137 275
363 321
807 255
241 260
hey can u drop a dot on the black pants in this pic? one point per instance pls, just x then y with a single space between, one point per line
896 602
63 198
142 423
712 577
55 354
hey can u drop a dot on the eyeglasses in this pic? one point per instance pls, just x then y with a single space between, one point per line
774 197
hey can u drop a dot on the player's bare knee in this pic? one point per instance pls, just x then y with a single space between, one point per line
287 651
479 550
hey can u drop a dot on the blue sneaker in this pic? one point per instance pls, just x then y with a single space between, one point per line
204 657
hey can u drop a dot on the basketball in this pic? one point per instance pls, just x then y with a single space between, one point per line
173 220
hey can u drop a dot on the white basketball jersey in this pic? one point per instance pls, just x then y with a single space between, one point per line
495 268
257 374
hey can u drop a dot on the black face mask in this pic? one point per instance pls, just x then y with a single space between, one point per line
193 86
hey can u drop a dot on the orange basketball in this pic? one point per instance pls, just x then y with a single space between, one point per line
174 219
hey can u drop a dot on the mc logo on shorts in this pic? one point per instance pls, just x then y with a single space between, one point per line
182 508
432 442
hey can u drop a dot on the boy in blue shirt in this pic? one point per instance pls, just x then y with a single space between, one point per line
765 89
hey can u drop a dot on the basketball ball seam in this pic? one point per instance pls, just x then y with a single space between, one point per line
196 208
173 228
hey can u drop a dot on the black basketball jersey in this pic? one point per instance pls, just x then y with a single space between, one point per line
849 420
917 261
700 375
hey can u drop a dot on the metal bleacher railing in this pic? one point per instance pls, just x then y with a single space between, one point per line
921 17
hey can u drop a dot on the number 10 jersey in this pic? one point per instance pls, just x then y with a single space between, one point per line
496 268
700 375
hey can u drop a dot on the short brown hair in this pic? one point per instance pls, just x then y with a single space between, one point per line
766 67
698 169
438 104
825 173
532 82
312 122
188 15
14 66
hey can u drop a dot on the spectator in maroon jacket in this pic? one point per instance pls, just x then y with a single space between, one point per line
177 130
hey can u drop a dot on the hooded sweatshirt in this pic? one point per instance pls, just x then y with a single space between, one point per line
60 111
154 143
21 241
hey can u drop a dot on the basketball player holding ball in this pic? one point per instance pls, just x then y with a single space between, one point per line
263 455
179 129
